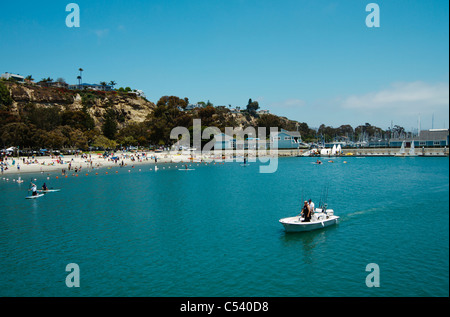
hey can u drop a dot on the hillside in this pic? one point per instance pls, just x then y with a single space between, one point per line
95 103
36 117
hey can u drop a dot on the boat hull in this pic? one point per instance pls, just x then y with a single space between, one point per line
296 224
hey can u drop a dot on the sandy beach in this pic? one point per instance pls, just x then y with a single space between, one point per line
87 162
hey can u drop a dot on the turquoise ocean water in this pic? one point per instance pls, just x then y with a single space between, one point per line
215 231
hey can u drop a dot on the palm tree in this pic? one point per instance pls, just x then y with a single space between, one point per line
81 71
112 83
103 83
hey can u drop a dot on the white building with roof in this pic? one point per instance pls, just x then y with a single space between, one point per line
16 77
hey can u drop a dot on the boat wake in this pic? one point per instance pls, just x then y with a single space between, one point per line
358 213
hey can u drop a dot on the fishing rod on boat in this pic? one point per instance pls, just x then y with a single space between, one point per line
321 199
301 204
325 205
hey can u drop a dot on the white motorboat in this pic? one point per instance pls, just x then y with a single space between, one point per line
320 219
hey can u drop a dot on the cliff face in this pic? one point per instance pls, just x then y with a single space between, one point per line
129 107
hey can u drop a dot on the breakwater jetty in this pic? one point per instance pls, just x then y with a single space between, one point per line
426 152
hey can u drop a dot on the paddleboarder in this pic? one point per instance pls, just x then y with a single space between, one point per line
33 189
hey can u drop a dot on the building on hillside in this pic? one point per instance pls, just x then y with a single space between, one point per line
193 106
57 84
96 87
137 92
8 76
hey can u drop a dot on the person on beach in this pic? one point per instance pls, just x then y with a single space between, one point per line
306 212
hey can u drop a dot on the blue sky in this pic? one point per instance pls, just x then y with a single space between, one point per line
311 61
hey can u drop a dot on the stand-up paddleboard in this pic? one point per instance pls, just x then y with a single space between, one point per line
188 169
48 190
245 164
35 196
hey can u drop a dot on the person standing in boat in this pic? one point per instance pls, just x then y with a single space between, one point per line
306 212
312 207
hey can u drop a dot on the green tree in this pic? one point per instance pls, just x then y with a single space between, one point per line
133 134
78 140
172 102
306 132
5 97
103 142
77 119
109 127
17 134
45 118
268 121
252 106
207 115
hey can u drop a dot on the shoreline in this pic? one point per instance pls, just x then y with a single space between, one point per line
90 162
80 163
77 163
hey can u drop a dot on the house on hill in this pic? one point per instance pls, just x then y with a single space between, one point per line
8 76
